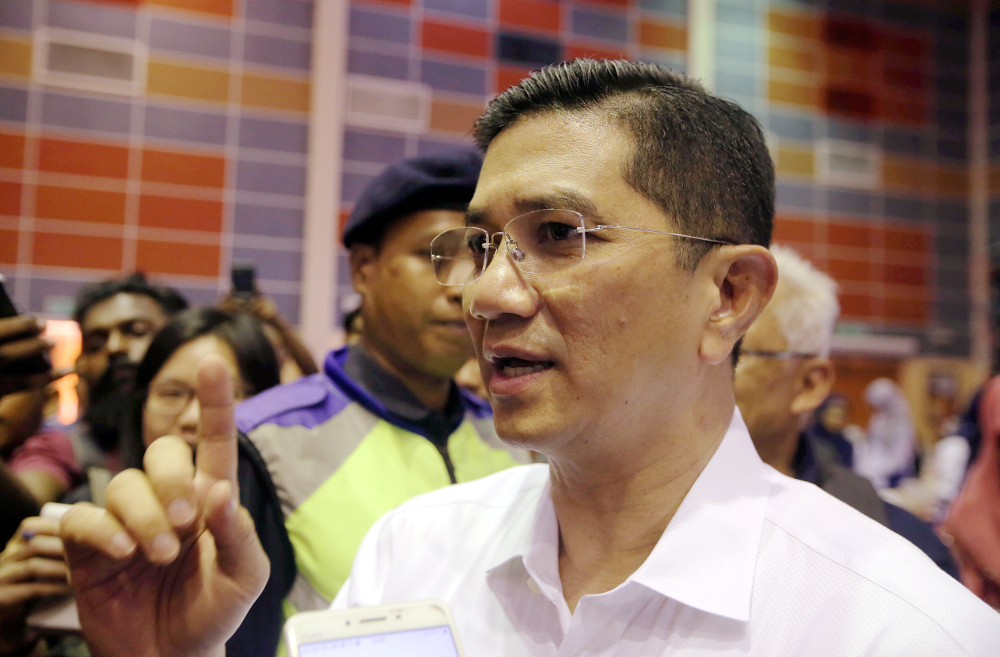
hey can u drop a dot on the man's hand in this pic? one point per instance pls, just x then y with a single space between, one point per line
174 564
32 566
20 338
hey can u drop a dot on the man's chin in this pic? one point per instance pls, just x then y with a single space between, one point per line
124 375
523 427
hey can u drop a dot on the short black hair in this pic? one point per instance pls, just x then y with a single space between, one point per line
255 359
89 296
702 159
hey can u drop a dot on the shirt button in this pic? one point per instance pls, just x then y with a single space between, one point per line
533 586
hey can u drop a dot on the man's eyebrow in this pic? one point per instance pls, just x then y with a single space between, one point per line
474 216
559 200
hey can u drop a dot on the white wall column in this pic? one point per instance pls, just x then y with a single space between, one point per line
701 41
322 212
979 190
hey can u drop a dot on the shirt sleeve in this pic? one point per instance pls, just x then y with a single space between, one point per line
366 585
49 451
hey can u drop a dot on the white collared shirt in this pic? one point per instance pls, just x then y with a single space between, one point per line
752 563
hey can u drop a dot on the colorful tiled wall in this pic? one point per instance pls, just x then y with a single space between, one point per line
208 165
204 167
889 77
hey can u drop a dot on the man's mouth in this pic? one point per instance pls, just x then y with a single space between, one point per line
515 367
123 372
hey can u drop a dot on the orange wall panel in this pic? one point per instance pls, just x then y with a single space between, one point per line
218 7
454 38
852 270
84 251
851 235
275 93
447 116
185 81
8 246
794 94
74 204
159 257
794 24
855 306
11 150
799 59
89 159
535 14
181 213
657 34
906 239
790 229
10 199
507 77
183 169
906 275
15 58
916 311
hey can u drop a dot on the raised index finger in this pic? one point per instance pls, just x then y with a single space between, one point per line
216 455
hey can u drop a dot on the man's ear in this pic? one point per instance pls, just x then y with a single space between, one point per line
363 259
743 277
815 384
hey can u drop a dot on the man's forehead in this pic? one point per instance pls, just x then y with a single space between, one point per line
561 198
122 307
562 160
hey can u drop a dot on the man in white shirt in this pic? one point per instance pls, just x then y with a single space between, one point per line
614 256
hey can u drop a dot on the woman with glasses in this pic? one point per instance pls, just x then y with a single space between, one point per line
164 403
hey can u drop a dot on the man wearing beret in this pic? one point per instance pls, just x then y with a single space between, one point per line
383 421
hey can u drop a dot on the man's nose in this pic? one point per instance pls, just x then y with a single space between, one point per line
117 343
501 289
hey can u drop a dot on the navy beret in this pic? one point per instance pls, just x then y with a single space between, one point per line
445 180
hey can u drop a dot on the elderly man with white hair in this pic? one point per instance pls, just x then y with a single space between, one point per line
784 374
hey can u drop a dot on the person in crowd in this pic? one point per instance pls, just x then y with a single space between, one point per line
41 456
351 324
887 454
293 355
20 339
783 375
118 319
615 253
387 408
832 426
164 403
972 526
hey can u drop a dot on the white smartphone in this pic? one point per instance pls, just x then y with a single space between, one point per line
410 629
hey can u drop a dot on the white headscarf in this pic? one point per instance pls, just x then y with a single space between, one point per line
890 447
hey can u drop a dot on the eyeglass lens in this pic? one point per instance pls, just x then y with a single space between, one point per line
169 399
539 242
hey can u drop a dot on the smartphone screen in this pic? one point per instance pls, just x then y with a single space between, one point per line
423 642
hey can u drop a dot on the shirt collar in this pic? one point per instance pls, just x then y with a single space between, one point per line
707 555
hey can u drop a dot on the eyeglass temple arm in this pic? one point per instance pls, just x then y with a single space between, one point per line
658 232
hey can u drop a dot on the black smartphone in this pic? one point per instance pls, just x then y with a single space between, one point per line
244 276
38 364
